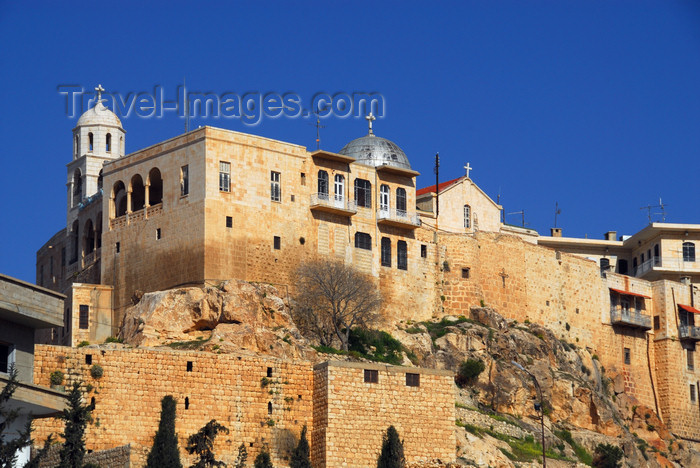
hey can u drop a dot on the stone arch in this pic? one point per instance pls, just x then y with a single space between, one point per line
118 201
88 238
138 193
77 186
155 187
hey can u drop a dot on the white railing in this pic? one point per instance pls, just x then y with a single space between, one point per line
399 216
647 266
333 201
623 317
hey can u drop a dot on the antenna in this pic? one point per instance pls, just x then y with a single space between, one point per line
521 212
318 130
187 105
661 205
557 211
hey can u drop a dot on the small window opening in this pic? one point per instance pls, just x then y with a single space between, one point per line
628 356
224 176
90 140
269 407
108 143
692 393
299 397
465 273
184 180
547 302
303 179
277 243
691 359
158 234
292 197
84 316
269 371
371 376
657 322
229 221
92 402
187 402
117 247
189 366
88 359
412 380
424 251
251 444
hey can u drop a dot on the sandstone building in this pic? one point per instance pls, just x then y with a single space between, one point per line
214 204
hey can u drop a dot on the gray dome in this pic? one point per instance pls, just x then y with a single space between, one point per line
376 151
99 115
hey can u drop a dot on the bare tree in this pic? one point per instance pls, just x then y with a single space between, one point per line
333 298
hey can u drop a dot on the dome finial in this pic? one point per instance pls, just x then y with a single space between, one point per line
99 89
370 118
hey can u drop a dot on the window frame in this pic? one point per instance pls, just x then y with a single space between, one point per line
224 176
339 187
184 180
363 193
412 379
467 217
83 317
688 251
322 183
275 186
402 255
385 249
401 201
363 241
384 198
371 376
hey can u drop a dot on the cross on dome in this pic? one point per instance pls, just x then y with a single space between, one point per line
468 168
370 118
99 89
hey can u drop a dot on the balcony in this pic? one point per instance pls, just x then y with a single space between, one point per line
689 332
398 218
333 204
630 319
648 265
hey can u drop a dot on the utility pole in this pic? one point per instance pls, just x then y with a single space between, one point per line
538 407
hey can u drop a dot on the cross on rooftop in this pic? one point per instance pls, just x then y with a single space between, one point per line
468 168
370 118
99 89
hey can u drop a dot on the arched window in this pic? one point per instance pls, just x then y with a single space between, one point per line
323 185
119 199
401 255
363 241
386 251
467 216
108 144
363 193
622 266
384 198
138 193
604 264
77 187
155 187
269 407
121 145
401 201
91 140
688 252
339 189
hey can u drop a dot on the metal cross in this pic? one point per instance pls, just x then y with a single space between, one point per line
370 118
99 91
468 168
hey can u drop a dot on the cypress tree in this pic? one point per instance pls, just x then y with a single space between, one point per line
164 453
263 459
392 450
300 455
242 457
8 448
202 444
76 416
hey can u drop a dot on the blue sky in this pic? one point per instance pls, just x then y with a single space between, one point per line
591 104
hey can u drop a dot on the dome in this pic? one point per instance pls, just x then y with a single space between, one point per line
99 115
376 151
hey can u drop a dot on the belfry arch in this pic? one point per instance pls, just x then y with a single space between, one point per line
118 200
155 187
138 193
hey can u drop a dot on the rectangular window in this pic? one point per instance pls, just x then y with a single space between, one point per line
118 247
688 252
275 191
158 234
224 176
190 366
88 359
691 359
412 380
401 255
84 316
363 193
277 242
229 221
4 357
423 251
303 179
692 393
386 252
184 180
401 201
465 273
628 356
467 216
363 241
371 376
657 322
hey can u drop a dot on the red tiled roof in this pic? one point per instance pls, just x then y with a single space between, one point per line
629 293
443 186
689 309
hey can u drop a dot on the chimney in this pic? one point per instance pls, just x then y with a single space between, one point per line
610 235
556 232
685 280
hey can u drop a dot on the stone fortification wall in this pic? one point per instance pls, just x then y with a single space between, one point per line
356 413
118 457
224 387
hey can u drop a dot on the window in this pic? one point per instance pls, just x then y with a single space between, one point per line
339 187
275 191
384 198
363 241
4 357
467 217
363 193
229 221
303 179
88 359
657 322
691 359
187 402
386 251
269 371
423 251
401 255
628 356
323 185
688 252
412 380
269 407
84 315
108 143
63 256
159 234
604 264
277 242
371 376
117 247
184 180
90 141
190 365
692 393
622 267
401 201
224 176
465 272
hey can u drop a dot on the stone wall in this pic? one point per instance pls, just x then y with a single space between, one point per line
357 413
118 457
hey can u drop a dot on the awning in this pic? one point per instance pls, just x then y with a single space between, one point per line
629 293
689 309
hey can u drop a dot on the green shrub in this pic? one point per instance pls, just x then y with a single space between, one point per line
607 456
56 377
114 339
468 372
96 371
83 343
386 348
